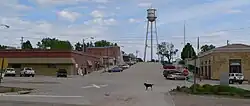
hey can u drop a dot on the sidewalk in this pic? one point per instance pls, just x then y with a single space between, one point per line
100 71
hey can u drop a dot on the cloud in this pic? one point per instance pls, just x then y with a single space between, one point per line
66 2
234 11
202 10
71 16
146 4
132 20
97 14
36 30
101 22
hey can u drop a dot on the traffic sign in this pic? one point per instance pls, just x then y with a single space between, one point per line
3 63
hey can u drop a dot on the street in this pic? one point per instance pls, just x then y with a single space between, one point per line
107 89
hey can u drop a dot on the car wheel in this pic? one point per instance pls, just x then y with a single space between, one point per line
240 82
21 75
14 75
33 75
231 82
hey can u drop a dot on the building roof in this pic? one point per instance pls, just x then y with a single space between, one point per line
228 48
41 60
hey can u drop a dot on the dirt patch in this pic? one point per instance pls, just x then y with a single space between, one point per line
12 89
182 99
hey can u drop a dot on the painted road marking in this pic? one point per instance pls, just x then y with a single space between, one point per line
44 96
95 86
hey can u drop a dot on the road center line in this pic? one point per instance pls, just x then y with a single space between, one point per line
44 96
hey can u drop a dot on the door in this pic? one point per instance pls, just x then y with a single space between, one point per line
235 66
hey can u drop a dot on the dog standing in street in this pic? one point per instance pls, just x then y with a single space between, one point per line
147 85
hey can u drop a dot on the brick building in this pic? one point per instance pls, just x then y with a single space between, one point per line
113 53
47 62
233 58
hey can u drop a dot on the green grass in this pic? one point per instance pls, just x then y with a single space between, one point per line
220 90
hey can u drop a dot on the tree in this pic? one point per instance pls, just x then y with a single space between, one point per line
167 50
103 43
205 48
188 52
3 47
54 43
27 45
131 55
78 46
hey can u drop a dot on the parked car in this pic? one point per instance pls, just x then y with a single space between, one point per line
236 77
169 71
115 69
125 66
62 73
27 72
176 76
10 72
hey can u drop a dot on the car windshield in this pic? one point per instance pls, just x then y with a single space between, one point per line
28 68
9 69
62 71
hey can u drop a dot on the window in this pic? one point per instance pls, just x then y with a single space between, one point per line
209 62
16 65
51 66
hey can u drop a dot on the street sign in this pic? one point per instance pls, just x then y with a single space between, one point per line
3 63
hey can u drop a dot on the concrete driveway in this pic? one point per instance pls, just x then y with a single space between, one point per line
116 89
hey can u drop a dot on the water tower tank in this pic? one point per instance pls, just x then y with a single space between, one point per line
151 14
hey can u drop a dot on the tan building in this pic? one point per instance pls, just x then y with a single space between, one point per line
233 58
47 62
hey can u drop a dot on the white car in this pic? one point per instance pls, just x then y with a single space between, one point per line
10 72
236 77
27 72
176 76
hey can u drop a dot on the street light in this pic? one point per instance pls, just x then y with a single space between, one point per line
2 65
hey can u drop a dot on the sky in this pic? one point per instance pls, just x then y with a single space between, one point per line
124 21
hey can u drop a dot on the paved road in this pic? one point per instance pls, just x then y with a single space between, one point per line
116 89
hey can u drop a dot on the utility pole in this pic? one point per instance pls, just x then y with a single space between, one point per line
21 42
184 33
83 45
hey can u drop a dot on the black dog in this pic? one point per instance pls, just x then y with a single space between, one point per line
148 86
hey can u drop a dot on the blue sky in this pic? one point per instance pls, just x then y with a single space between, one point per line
124 21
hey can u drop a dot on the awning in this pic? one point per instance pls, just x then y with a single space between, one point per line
235 64
89 63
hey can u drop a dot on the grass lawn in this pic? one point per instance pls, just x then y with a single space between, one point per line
218 90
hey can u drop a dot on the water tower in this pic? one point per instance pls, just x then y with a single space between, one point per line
151 28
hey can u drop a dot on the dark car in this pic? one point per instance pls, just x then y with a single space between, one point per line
115 69
62 73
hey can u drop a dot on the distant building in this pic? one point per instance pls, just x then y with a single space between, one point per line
47 62
110 53
232 58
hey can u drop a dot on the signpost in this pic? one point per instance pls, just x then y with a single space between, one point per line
3 65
